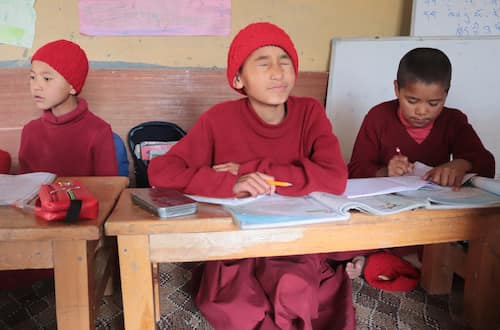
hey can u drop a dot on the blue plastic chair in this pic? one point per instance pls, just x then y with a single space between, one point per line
121 155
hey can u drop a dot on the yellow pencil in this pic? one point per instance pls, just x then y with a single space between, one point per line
279 183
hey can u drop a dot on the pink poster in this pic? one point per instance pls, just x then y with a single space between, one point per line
154 17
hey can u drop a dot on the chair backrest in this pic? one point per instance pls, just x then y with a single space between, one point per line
121 155
149 133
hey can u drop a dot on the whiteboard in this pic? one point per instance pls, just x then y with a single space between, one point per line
362 72
455 17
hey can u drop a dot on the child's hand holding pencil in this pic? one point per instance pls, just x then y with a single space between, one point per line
399 164
257 183
279 183
251 184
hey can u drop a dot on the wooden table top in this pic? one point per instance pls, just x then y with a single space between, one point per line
17 224
424 225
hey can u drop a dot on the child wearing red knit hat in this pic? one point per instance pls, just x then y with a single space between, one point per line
234 149
67 139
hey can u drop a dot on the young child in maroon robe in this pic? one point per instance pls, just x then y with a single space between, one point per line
67 139
418 127
235 148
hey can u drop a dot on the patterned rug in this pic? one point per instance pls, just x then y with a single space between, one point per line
34 308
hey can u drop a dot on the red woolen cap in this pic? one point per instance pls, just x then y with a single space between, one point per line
254 36
67 58
402 275
5 162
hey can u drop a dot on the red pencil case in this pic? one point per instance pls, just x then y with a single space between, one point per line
67 201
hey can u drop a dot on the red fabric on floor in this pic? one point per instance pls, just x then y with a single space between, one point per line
292 292
402 275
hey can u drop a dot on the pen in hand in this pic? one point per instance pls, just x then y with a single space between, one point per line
244 194
279 183
405 166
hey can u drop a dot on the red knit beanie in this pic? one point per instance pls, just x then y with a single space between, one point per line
402 275
4 162
67 58
254 36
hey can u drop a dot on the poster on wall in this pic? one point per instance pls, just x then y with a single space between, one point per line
17 22
154 17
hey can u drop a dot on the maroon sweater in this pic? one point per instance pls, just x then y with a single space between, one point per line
75 144
301 149
4 162
451 135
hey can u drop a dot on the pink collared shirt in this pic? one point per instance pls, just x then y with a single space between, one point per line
417 133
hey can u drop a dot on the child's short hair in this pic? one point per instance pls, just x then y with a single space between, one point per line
67 58
428 65
254 36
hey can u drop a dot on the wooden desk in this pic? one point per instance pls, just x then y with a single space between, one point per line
210 234
72 250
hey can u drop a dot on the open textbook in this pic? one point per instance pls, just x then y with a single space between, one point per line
386 185
317 207
265 211
355 188
22 187
476 192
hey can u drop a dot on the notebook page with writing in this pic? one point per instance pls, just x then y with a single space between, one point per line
379 205
466 197
280 211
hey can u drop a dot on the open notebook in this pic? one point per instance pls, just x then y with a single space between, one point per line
382 185
476 192
317 207
22 187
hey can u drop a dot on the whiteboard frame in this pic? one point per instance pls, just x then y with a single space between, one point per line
413 15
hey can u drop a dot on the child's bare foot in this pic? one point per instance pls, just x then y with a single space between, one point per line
354 268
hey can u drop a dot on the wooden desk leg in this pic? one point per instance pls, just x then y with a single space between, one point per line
74 284
137 282
437 273
106 267
155 267
480 289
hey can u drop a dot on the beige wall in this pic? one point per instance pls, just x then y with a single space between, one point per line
311 24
